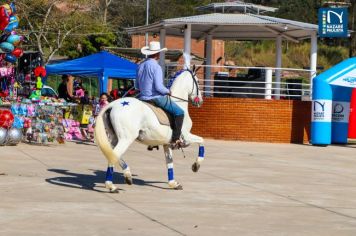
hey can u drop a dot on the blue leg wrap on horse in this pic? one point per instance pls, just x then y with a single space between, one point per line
201 151
124 166
110 174
170 174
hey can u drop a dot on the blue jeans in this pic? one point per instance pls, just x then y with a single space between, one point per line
168 105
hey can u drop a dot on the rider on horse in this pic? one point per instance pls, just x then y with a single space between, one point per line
150 84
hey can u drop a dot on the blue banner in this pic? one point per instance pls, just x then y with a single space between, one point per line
333 22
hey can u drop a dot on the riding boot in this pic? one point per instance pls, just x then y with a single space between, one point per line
177 142
177 128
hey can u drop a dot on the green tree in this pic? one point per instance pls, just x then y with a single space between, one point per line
50 24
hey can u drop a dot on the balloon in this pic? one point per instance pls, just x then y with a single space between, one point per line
6 119
18 52
7 47
14 136
10 58
14 39
40 71
4 18
13 23
4 37
8 10
3 134
13 8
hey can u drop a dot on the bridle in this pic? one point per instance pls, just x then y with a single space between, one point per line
195 82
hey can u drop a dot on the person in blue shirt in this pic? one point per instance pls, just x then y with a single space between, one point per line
149 82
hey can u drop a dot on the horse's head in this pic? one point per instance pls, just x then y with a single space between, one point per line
195 96
187 81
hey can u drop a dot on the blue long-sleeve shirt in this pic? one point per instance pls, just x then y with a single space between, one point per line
150 80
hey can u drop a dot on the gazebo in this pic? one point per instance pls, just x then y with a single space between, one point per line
228 26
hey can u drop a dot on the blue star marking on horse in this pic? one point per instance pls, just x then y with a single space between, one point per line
124 103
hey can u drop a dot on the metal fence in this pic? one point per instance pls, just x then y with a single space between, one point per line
252 82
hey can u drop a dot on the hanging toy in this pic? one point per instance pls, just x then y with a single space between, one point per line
39 83
35 95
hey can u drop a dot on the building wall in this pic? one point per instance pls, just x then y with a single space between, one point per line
257 120
197 47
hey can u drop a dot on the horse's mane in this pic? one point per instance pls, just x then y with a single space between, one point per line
172 78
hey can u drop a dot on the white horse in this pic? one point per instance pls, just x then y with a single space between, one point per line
127 120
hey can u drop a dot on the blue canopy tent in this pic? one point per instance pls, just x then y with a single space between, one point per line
102 65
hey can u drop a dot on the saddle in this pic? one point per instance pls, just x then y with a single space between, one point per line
163 117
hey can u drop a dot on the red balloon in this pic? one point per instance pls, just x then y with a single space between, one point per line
18 52
4 18
40 71
6 119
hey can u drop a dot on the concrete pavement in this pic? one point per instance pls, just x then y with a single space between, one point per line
241 189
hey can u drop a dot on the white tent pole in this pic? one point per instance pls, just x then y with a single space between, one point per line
208 55
313 57
278 65
162 59
187 45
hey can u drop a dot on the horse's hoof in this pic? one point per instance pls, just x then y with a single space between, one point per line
175 185
128 180
179 187
195 167
114 190
111 187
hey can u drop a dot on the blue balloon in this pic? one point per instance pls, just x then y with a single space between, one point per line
7 47
13 23
14 39
10 58
13 8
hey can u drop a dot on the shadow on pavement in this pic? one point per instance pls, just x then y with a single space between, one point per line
95 181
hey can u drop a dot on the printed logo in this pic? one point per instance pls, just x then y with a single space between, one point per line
338 108
341 112
350 80
333 22
320 107
339 16
321 110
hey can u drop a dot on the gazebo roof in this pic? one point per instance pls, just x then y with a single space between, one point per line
236 6
231 26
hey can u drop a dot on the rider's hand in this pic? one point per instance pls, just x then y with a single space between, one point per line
169 93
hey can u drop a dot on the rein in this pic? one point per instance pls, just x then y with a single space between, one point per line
182 99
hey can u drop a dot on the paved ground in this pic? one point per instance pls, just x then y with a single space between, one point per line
242 189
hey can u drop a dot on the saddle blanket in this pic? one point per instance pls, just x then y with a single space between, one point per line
162 116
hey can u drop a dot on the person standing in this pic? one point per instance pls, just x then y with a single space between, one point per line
63 89
150 84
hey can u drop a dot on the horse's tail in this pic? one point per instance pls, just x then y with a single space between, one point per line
101 137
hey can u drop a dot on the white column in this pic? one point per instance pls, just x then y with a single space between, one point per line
278 65
208 55
187 45
313 57
268 83
162 58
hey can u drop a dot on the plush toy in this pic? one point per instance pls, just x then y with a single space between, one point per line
39 83
35 95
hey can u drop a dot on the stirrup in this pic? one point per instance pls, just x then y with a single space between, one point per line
180 143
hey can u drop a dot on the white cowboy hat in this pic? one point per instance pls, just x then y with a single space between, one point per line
153 48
